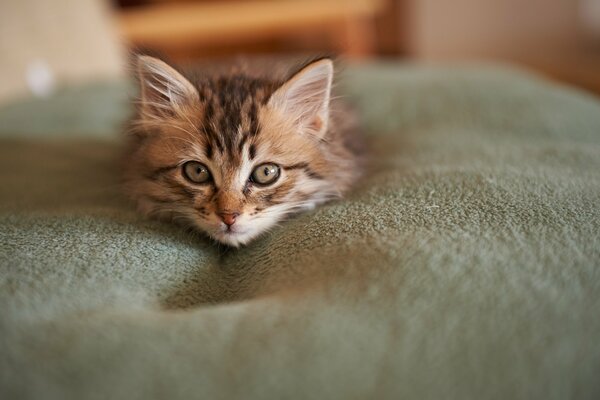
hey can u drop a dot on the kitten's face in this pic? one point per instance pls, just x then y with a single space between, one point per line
231 157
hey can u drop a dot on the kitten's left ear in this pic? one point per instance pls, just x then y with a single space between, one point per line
305 97
165 92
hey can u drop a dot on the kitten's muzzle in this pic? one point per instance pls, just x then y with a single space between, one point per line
228 217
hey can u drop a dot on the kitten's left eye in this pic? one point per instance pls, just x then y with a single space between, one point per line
196 172
265 174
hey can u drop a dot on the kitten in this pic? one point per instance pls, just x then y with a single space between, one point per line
234 154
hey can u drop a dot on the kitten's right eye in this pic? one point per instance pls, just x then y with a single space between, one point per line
196 172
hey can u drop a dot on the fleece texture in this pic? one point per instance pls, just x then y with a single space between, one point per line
464 265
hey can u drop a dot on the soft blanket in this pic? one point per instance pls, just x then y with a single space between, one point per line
466 264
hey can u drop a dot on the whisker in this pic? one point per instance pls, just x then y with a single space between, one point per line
182 139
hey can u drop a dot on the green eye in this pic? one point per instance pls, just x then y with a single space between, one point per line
265 174
196 172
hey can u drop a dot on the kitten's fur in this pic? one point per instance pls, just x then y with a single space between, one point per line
231 124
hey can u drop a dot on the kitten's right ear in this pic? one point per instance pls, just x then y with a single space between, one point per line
165 92
304 98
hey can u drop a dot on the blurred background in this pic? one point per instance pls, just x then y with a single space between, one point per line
47 44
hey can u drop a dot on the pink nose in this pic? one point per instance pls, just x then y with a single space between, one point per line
228 218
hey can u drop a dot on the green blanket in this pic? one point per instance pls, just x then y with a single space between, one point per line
465 265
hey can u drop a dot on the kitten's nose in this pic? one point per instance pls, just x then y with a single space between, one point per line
229 218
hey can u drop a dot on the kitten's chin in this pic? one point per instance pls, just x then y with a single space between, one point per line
234 239
240 233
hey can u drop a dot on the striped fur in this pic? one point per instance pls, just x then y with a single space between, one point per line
231 124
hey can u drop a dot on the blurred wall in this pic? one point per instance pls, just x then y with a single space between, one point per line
497 29
47 43
200 29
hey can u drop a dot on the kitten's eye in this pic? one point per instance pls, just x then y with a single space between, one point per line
196 172
265 174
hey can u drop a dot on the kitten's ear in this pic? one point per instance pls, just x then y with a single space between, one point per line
305 97
165 92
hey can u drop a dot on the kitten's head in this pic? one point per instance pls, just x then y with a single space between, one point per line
231 156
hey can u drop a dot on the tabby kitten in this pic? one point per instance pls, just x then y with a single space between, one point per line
232 155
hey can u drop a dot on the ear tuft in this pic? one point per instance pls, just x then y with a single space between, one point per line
164 91
305 97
